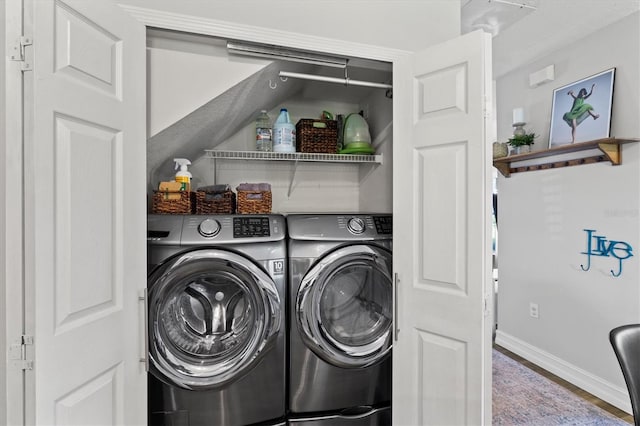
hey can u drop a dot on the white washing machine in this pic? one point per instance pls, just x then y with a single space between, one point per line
216 319
340 325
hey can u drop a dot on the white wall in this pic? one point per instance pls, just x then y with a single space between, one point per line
375 182
183 76
314 187
405 24
615 46
543 214
401 24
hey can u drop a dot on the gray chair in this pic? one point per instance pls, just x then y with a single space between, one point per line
626 344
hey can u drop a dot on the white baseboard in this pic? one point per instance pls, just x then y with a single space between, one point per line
595 385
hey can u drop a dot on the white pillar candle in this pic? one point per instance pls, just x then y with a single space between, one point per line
518 115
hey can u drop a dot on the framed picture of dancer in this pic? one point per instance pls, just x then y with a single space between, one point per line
581 111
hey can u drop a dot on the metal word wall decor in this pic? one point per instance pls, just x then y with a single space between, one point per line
598 245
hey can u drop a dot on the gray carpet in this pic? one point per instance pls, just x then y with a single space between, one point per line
523 397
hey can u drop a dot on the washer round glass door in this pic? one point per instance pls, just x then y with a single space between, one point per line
344 306
212 315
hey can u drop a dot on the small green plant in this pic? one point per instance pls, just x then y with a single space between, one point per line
519 140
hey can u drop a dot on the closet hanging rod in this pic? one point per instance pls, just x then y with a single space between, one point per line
283 53
345 81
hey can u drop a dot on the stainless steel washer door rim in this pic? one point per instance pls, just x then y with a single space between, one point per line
344 306
213 314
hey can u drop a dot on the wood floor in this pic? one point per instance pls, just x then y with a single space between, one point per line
576 390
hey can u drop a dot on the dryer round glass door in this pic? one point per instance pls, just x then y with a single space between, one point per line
212 315
344 306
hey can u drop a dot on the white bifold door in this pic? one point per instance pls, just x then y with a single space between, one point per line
85 213
442 351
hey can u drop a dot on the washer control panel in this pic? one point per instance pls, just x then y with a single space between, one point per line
218 229
209 228
247 227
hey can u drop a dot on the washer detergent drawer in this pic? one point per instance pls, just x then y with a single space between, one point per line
358 416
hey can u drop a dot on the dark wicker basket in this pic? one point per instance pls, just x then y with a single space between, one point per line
181 202
317 136
215 202
254 202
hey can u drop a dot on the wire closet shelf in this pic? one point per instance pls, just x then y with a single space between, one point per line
297 156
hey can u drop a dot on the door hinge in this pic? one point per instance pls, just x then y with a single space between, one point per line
18 353
18 52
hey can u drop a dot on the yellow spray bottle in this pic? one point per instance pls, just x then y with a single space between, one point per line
183 176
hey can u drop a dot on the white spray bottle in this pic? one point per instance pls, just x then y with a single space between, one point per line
183 176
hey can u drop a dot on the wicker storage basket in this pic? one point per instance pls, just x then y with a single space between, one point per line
317 136
181 202
215 202
254 199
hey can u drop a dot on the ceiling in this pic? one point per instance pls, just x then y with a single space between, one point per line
525 30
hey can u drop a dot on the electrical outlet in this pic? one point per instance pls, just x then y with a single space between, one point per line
533 310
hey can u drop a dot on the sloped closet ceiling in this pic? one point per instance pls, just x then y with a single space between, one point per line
221 117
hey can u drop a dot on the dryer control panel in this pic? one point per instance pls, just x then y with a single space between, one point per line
384 224
340 227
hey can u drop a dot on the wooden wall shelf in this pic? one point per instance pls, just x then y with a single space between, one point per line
610 150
